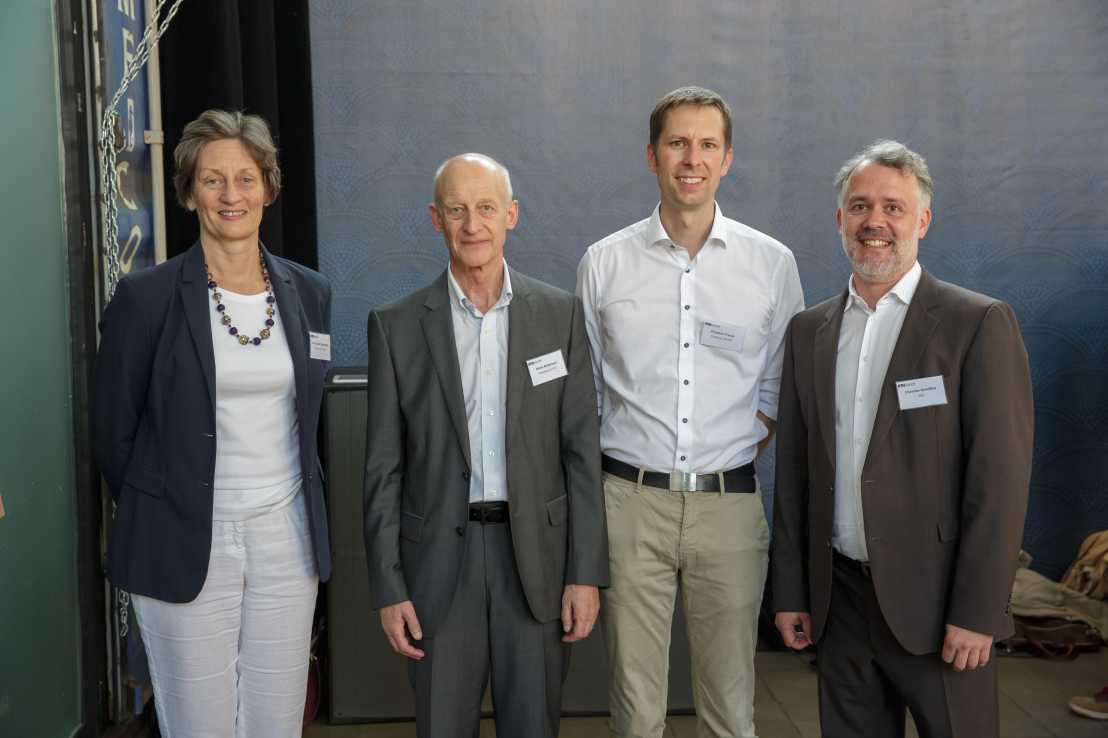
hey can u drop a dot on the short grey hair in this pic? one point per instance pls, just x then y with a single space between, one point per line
218 125
481 159
888 153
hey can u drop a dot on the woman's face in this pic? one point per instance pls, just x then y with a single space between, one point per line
228 192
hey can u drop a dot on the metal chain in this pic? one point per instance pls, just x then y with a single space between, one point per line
109 145
124 613
109 142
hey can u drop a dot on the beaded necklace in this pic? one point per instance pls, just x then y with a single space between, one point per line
225 318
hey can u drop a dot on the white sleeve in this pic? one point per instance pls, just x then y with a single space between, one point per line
789 301
587 290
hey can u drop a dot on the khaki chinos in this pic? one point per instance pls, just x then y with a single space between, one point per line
716 545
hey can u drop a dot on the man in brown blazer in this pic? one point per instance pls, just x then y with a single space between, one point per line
903 465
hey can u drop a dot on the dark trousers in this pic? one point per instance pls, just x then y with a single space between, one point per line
490 631
867 680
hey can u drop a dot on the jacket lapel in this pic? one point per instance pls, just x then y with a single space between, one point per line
519 322
438 330
919 325
290 312
194 296
825 353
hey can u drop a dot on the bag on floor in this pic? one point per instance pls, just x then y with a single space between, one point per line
1052 637
1089 572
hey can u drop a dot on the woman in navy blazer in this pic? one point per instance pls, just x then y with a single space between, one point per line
208 389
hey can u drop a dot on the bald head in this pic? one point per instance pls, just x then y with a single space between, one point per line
457 165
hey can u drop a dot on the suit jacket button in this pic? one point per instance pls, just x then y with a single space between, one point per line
460 530
465 475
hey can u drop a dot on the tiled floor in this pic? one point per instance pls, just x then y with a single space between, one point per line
1033 696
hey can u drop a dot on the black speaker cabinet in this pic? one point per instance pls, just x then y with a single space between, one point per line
367 682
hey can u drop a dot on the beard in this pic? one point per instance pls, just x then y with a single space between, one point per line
875 270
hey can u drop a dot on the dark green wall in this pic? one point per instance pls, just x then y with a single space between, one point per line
39 659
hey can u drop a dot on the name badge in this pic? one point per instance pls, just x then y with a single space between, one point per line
722 336
922 392
319 346
547 368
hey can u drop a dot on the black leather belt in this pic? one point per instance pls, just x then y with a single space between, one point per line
740 479
862 567
488 512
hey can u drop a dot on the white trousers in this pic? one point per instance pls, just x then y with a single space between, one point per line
233 663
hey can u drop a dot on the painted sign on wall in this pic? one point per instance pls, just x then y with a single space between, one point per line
122 25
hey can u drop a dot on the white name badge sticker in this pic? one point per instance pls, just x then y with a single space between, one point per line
320 346
922 392
547 368
722 336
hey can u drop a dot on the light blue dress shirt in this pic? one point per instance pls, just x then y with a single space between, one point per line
482 345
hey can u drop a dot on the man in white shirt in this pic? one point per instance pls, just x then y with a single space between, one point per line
903 467
686 312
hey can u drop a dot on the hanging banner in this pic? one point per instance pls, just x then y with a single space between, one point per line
121 29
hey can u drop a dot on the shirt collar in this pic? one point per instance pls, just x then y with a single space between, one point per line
903 290
463 301
656 232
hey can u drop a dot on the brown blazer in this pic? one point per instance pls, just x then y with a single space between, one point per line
944 488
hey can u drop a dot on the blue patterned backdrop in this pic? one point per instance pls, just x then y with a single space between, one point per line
1008 101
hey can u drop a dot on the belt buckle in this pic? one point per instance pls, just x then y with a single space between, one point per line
682 481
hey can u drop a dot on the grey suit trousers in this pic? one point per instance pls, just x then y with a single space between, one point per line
489 631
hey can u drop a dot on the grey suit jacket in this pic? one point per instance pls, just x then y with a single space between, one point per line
418 460
944 488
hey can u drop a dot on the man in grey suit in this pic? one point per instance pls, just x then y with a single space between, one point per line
903 466
484 518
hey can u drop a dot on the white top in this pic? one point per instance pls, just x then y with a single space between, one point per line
675 393
866 343
482 345
257 457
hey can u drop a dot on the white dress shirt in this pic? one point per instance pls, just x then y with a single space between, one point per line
866 343
669 399
482 345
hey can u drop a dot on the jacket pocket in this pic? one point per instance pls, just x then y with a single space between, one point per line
411 527
145 481
556 510
948 530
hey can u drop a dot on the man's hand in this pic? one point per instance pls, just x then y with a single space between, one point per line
398 621
966 649
580 604
795 638
771 426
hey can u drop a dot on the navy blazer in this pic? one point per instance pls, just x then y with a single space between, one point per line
153 418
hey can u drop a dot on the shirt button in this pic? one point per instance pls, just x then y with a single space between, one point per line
686 307
686 381
492 453
683 458
684 420
492 491
492 412
460 530
686 345
687 270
